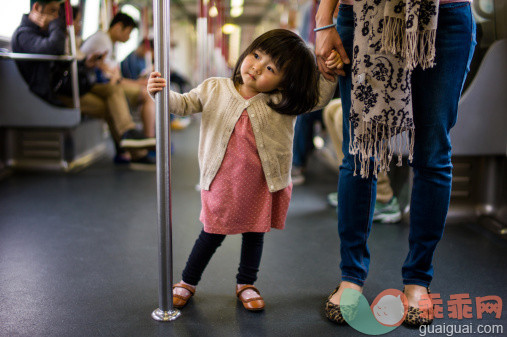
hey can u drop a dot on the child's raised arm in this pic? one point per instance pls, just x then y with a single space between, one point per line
179 104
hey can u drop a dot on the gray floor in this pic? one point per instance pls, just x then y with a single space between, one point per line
78 257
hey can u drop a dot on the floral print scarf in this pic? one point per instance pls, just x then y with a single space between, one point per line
391 38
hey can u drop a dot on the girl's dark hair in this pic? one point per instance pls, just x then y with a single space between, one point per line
299 85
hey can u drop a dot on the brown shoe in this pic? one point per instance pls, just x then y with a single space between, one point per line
180 301
252 304
416 317
333 311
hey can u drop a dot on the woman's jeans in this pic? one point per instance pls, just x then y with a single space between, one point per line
435 92
206 245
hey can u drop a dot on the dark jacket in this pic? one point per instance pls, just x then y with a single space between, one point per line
30 38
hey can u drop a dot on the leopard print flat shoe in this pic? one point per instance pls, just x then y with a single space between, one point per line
333 312
417 317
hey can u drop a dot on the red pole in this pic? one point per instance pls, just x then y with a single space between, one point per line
202 9
210 19
68 13
115 8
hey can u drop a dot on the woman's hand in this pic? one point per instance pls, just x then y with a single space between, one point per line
155 83
326 42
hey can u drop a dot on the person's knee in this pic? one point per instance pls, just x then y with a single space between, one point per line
109 89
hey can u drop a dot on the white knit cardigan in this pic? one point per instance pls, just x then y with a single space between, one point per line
221 106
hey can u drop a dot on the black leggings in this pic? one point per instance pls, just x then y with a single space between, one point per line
206 245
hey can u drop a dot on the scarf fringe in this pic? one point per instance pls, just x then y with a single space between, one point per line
393 38
417 48
380 146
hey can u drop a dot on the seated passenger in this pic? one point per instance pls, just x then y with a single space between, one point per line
42 31
119 31
134 65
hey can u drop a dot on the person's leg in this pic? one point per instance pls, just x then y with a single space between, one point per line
117 107
356 195
204 248
95 106
387 208
333 121
251 253
148 114
436 92
303 144
384 189
138 96
303 137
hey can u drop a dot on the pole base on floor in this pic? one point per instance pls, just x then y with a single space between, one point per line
165 316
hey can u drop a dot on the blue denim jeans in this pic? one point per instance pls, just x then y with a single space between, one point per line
435 92
303 137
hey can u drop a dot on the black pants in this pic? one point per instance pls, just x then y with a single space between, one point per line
206 245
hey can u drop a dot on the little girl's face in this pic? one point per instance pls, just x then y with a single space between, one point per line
259 73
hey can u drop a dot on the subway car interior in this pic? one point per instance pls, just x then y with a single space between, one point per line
80 219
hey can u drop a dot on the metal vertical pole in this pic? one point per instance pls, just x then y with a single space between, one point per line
202 27
211 43
72 40
161 24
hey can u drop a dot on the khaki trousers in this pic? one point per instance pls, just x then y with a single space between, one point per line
333 120
107 101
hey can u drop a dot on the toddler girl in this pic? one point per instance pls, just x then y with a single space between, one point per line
245 150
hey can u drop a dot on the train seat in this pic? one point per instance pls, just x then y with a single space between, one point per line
482 112
38 135
479 141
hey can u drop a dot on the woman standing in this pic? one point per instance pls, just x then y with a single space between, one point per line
399 74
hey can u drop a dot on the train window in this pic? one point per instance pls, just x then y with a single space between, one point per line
11 18
91 18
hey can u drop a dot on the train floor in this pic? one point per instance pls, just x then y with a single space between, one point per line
79 257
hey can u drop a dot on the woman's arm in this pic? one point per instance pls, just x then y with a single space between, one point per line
328 39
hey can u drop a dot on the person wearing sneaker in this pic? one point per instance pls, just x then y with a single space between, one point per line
376 108
135 139
387 209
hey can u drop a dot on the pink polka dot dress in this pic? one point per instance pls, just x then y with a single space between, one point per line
238 200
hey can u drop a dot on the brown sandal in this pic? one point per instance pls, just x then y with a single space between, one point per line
252 304
179 301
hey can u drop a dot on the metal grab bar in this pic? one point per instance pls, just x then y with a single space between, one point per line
36 57
161 24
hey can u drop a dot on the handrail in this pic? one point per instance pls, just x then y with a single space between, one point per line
36 57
